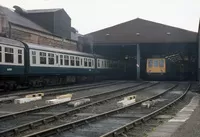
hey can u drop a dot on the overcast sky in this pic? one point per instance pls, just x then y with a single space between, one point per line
91 15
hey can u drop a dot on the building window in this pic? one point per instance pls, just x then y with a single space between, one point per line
43 58
34 57
72 60
0 54
89 62
51 58
61 59
85 62
19 56
77 61
66 60
9 56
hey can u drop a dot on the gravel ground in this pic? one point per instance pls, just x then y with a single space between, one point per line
52 111
149 126
115 121
97 109
191 127
12 108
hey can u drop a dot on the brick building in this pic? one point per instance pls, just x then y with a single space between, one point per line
20 26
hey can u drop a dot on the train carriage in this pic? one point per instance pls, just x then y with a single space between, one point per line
156 68
28 64
11 62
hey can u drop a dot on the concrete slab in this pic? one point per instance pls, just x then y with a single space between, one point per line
79 102
26 100
9 98
57 101
167 129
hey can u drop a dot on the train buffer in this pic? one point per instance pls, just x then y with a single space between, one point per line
127 101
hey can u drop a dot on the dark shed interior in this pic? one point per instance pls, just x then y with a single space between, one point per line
179 47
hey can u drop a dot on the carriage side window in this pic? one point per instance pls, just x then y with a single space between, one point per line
85 62
155 63
92 63
81 61
89 62
51 58
61 59
34 57
150 63
98 63
161 63
66 60
102 64
57 62
19 56
77 61
72 60
43 58
0 54
9 56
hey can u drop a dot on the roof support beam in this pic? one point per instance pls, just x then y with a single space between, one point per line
138 62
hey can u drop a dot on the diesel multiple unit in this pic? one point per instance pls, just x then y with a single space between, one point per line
40 65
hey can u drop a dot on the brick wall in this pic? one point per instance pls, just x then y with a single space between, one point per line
3 24
27 35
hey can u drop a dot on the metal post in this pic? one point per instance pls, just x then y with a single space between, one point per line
138 62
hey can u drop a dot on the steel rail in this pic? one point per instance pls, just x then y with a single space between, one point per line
132 124
49 92
40 122
14 115
77 123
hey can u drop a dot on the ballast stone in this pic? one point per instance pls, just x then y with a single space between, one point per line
79 102
26 100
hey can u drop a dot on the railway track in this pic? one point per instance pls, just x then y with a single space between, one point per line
7 110
56 91
116 120
97 98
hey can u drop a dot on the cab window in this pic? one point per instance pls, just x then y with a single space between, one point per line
155 63
150 63
161 63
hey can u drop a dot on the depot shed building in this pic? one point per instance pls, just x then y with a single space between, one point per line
136 40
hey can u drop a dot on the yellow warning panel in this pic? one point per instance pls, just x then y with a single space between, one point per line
64 96
34 95
130 97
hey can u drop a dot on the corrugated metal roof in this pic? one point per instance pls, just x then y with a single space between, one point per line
142 31
17 19
43 10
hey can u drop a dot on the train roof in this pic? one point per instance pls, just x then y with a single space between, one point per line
48 48
11 42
